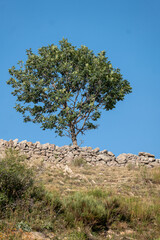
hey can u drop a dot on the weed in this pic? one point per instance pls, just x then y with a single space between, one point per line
79 162
98 193
131 166
76 235
155 175
24 226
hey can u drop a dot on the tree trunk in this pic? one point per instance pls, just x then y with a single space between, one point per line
74 141
73 135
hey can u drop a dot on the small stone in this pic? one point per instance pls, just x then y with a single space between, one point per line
67 170
74 147
111 154
62 183
144 160
96 150
100 157
29 144
122 158
44 146
89 148
93 181
104 151
84 148
146 154
24 141
15 141
11 143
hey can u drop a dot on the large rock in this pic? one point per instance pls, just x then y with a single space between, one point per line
127 158
122 158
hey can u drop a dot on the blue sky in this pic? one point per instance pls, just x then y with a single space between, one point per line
129 32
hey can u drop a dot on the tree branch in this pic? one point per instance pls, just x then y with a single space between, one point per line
81 129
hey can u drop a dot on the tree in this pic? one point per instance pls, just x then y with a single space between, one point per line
66 88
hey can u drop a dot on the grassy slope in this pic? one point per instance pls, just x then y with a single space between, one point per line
81 196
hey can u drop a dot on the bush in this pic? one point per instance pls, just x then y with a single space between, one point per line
85 208
95 209
3 200
15 178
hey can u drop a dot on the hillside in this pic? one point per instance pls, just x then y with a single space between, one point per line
78 200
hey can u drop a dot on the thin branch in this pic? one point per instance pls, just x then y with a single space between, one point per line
84 115
81 129
74 105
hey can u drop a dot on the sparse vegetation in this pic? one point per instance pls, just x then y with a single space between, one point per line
79 162
151 175
122 210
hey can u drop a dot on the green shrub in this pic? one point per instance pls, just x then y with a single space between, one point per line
98 193
75 235
117 210
95 209
24 226
85 208
15 178
3 200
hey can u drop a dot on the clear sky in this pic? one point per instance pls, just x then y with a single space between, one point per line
129 32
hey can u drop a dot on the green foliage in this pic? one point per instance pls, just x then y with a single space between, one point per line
66 88
98 193
21 199
77 236
24 226
15 178
3 200
85 208
95 209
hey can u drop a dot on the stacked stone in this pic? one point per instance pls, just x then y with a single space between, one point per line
127 158
147 159
66 154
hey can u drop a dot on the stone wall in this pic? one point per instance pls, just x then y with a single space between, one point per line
66 154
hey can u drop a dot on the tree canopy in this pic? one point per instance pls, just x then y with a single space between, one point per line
65 88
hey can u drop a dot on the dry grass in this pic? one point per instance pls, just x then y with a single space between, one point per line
142 185
133 192
131 182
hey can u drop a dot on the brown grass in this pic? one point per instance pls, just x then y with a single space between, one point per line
136 188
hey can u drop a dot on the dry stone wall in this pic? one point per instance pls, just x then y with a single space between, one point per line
66 154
